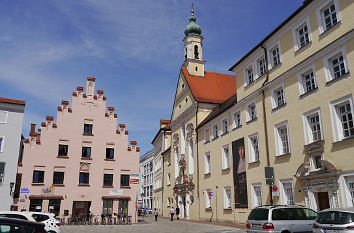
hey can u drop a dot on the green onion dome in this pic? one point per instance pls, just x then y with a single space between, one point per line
192 28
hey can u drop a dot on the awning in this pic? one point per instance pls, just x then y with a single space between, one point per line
46 197
116 197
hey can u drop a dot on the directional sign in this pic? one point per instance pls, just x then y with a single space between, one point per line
25 190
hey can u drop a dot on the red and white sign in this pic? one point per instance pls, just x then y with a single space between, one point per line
134 179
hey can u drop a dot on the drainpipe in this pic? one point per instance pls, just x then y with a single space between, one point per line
265 119
197 155
163 171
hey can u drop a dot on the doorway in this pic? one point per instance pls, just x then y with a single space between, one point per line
323 200
81 209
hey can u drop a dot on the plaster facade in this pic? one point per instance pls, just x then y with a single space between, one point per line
146 171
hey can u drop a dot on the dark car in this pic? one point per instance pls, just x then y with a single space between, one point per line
12 225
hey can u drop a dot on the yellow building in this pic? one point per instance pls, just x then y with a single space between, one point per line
292 112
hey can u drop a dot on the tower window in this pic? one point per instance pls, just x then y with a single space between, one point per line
196 68
196 53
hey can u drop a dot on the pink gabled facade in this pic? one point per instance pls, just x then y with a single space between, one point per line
80 163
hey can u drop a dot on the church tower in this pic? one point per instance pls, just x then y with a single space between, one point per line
193 55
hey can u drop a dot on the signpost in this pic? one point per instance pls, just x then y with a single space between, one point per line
275 191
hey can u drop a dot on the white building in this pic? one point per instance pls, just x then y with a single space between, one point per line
146 173
11 120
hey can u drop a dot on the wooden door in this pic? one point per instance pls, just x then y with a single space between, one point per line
323 200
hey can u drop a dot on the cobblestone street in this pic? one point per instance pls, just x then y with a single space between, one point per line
162 225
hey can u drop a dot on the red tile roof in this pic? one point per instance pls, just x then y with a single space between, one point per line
12 101
212 88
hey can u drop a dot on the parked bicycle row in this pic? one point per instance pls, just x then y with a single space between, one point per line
96 220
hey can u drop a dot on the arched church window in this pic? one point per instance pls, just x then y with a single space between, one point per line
196 53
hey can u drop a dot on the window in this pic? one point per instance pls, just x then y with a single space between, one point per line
329 16
207 163
2 139
350 185
196 53
124 180
274 55
215 131
63 150
2 172
251 113
257 195
86 152
302 34
168 178
307 80
236 119
277 96
36 205
249 77
225 157
88 129
227 198
261 66
107 207
282 138
312 126
224 125
123 207
107 179
287 192
109 153
342 118
315 162
335 65
38 177
3 116
58 178
206 135
207 199
253 148
84 178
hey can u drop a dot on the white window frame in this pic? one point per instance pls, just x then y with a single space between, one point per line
251 151
278 140
320 18
348 199
207 164
6 116
312 162
206 135
328 66
248 115
224 129
307 128
208 203
234 120
296 36
336 122
215 133
274 97
259 68
283 196
270 55
300 77
245 71
225 158
2 143
254 195
227 198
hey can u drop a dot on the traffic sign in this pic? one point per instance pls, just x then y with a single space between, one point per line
275 188
211 194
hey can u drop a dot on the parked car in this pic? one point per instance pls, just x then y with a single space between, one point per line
52 225
13 225
281 219
335 220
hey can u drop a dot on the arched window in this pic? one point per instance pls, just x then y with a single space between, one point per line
196 53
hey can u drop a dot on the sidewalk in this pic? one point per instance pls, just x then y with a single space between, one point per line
225 224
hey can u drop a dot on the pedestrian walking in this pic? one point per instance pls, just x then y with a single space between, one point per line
156 213
177 212
172 212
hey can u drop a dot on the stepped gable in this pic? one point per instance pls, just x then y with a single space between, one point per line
212 88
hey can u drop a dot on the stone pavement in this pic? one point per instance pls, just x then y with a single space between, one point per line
161 226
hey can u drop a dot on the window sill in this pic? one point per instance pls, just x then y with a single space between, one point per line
344 140
215 138
276 66
225 169
228 208
329 29
62 157
37 184
168 184
206 142
302 48
283 155
84 185
83 158
208 208
125 187
237 127
87 134
254 162
302 96
334 80
107 186
250 121
58 185
279 107
109 160
224 134
249 84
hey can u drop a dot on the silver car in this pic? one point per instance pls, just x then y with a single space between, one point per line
281 219
335 220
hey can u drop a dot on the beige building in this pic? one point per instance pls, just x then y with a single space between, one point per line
292 112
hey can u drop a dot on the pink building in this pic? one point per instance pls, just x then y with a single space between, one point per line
82 162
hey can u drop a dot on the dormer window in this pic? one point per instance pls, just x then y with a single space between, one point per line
196 53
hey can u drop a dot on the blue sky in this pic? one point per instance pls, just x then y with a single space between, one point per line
133 48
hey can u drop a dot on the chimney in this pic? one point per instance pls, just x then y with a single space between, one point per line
33 129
